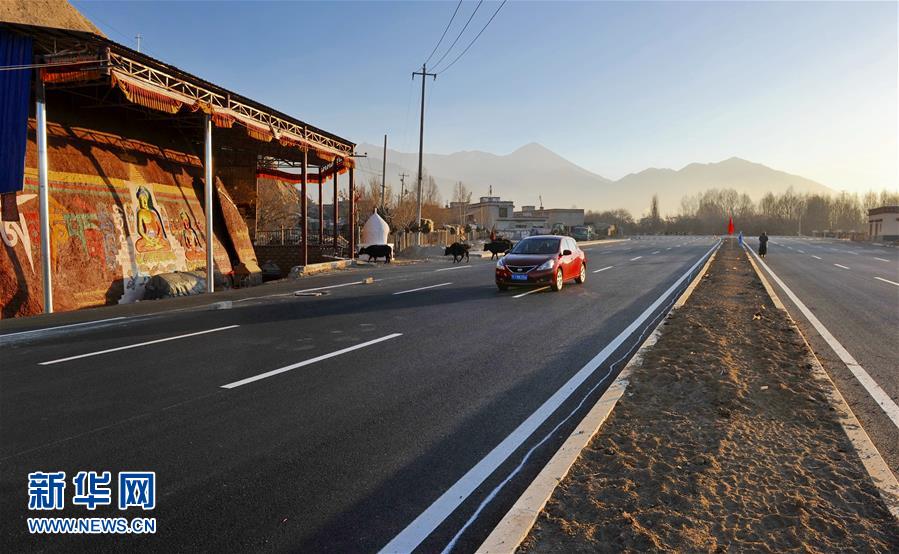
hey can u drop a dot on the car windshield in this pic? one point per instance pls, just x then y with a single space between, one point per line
537 246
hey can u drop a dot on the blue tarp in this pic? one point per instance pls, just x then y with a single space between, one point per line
15 87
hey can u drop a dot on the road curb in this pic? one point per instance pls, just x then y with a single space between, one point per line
514 527
874 463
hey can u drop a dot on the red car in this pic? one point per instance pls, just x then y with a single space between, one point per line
542 260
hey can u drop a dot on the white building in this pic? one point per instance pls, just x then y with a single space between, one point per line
883 223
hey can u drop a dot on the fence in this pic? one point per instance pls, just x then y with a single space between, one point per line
293 236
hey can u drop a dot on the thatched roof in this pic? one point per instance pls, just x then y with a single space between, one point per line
58 14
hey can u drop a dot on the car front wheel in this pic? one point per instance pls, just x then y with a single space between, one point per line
559 281
582 276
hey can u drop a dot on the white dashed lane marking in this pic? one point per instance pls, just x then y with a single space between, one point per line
887 281
635 259
843 266
157 341
603 269
421 288
529 292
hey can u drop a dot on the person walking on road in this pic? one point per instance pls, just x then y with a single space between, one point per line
763 244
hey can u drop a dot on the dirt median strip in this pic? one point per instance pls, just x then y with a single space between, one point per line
725 440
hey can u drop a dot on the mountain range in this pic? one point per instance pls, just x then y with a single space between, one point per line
533 170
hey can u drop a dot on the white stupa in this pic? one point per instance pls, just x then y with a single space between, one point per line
375 230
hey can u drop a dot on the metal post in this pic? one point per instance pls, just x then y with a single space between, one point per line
384 175
321 212
304 248
43 193
352 216
210 267
336 212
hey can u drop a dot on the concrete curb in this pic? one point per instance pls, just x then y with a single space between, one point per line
312 269
514 527
874 463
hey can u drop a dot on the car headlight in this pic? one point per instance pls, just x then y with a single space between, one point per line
501 263
548 264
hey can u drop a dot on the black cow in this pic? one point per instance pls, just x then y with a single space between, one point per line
458 251
376 251
497 247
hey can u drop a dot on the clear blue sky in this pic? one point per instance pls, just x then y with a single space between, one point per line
809 88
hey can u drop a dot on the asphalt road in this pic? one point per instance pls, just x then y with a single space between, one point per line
388 394
853 289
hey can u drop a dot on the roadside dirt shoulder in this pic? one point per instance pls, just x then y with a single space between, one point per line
723 441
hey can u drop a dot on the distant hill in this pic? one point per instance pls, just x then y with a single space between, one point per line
533 170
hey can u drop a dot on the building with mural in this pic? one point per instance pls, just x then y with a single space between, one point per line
129 144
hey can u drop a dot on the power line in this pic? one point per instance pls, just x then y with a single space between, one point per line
444 32
448 50
470 44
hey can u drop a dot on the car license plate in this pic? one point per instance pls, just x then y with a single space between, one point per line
519 277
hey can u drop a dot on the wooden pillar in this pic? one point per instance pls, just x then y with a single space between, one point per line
304 253
336 212
352 216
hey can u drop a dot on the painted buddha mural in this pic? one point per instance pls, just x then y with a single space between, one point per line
149 224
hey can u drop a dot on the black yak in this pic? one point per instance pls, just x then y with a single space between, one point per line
376 251
497 247
458 251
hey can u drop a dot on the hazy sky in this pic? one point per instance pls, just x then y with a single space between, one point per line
809 88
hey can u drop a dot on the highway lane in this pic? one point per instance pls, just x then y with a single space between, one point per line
849 288
339 455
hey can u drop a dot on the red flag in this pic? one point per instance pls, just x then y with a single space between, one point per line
730 226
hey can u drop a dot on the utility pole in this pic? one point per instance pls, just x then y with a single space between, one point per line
421 143
384 175
138 37
403 186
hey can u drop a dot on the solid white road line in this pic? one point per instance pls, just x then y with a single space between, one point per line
887 281
332 286
48 329
267 374
157 341
635 259
412 536
603 269
881 259
877 393
816 257
843 266
421 288
456 267
529 292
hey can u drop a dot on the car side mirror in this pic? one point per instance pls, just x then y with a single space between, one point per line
566 252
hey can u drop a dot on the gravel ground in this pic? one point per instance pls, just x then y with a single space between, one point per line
723 441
